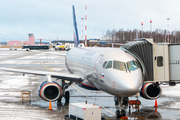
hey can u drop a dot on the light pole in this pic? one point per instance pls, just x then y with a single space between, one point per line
142 28
82 29
151 27
85 23
168 29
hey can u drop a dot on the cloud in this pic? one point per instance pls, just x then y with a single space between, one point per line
52 18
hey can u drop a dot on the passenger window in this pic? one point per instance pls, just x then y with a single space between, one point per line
159 61
109 65
119 65
104 64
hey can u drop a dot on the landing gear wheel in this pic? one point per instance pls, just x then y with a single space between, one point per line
66 97
118 114
59 101
123 112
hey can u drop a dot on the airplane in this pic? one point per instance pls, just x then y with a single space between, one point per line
111 70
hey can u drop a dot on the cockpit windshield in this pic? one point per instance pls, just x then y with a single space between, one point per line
109 64
122 66
104 64
119 65
132 65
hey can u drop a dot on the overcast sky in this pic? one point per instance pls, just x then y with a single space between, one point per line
48 19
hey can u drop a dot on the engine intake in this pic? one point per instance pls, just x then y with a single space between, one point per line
150 91
50 91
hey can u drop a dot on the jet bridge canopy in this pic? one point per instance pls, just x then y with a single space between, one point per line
160 62
142 50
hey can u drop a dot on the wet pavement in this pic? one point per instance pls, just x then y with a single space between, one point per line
11 85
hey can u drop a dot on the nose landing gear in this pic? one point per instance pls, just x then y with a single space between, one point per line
120 102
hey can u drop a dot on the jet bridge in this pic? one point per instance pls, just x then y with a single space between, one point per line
160 62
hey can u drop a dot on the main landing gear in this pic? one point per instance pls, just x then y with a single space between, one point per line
65 94
119 103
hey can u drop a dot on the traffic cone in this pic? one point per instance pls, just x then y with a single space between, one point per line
50 106
156 105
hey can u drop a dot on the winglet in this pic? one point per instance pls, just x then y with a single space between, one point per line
76 38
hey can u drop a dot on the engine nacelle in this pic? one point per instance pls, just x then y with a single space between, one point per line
150 91
50 91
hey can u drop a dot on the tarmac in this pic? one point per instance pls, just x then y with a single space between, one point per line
13 84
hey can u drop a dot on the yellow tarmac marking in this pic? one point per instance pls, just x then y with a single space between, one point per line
47 67
81 92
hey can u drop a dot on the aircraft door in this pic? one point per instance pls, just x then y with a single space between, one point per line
98 61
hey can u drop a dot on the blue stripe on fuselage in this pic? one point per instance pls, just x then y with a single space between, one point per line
87 87
76 38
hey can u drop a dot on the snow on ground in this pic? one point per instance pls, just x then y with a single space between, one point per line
11 85
40 56
24 112
56 69
10 82
171 91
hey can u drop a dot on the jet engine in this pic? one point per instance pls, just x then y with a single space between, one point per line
150 91
50 91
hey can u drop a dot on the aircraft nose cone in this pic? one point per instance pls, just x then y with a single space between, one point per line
132 89
131 86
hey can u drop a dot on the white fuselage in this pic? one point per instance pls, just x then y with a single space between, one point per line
107 69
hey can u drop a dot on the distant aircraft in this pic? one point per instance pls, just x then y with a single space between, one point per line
107 69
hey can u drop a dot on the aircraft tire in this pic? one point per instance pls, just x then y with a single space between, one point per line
118 114
59 101
67 96
123 112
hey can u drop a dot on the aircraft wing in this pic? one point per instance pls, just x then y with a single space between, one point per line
65 76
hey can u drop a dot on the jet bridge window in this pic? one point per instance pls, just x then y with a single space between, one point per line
159 61
109 65
119 65
132 65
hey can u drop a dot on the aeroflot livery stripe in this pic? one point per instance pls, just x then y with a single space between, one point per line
76 37
143 89
75 40
88 87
